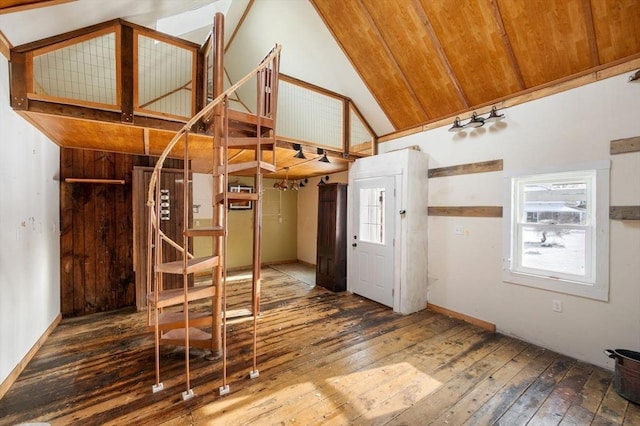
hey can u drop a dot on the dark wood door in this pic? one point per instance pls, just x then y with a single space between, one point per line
96 232
331 255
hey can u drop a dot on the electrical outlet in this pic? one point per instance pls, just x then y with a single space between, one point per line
458 230
556 305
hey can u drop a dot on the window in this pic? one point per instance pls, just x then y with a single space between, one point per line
372 215
557 230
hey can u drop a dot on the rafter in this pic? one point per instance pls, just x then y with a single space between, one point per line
5 45
440 51
11 6
237 28
591 33
507 45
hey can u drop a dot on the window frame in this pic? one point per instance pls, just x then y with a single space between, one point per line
595 283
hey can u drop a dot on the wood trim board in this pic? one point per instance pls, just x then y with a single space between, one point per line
624 212
466 211
466 318
13 376
620 146
463 169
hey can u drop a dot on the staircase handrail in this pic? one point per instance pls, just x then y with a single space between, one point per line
275 51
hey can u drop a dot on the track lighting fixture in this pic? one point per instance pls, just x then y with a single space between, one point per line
456 125
300 153
323 180
324 158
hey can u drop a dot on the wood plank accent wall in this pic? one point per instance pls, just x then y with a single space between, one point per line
463 169
96 233
96 241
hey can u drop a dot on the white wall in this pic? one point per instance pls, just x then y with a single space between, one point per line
308 216
465 270
29 233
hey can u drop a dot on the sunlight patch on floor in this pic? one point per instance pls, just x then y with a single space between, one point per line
385 385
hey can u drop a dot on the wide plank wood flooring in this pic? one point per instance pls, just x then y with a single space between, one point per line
324 358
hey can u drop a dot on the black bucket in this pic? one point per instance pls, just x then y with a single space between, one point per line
626 378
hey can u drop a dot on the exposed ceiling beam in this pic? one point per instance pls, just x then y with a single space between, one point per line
11 6
393 59
507 45
440 51
591 33
237 28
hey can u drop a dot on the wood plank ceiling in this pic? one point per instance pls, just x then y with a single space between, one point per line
424 60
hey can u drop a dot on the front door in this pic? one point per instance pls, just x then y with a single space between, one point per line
372 260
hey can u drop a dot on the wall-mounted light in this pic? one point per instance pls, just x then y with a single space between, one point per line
476 121
299 154
323 180
493 115
457 127
635 76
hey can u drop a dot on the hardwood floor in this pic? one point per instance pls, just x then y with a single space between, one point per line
324 358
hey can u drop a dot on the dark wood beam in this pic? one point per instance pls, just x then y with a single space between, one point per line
440 51
507 45
126 74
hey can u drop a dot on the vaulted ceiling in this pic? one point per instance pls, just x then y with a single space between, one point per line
428 59
421 61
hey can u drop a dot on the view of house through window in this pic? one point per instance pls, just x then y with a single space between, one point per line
555 225
552 237
372 215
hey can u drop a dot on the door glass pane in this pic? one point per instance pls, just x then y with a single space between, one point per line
371 216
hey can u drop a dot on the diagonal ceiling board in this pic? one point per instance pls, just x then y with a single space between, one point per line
617 28
473 42
390 52
591 33
351 30
549 39
507 45
440 52
414 52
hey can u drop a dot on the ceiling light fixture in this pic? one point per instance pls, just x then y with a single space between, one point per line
324 158
300 153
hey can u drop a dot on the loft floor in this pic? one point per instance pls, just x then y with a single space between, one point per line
324 358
